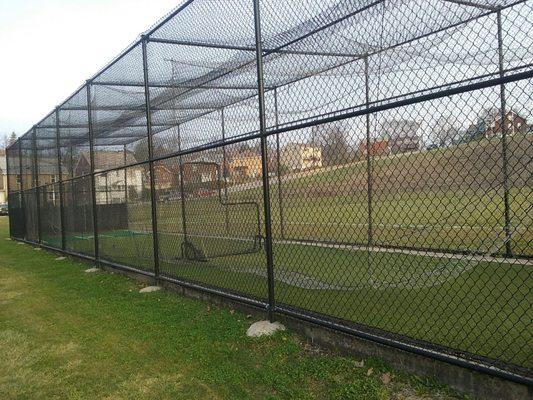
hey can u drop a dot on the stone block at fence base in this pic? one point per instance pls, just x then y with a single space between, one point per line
94 269
264 328
149 289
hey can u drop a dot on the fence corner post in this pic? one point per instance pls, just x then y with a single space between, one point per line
93 177
264 161
35 179
505 157
60 181
153 198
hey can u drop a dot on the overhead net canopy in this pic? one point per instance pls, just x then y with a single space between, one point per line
201 67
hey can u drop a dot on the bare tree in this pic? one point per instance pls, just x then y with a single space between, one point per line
8 140
445 130
335 148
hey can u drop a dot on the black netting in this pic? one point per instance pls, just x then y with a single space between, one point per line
123 217
73 133
50 215
16 215
78 215
30 210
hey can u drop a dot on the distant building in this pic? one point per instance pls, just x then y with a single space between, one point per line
376 148
405 144
200 172
245 164
103 160
164 178
300 156
402 134
489 125
47 170
113 186
513 122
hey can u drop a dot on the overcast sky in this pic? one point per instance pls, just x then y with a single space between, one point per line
49 48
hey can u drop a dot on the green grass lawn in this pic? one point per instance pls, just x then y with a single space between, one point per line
446 199
68 334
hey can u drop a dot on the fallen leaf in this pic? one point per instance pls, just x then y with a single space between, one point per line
369 372
360 364
386 378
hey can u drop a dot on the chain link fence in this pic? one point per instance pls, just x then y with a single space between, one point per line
364 165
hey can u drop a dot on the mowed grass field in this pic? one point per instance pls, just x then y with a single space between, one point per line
66 334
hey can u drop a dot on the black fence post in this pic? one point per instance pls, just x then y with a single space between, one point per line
182 193
10 206
71 183
150 156
93 177
224 168
369 183
125 175
35 177
71 157
505 161
264 160
278 166
60 182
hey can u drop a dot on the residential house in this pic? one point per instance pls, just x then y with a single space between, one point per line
512 122
199 172
402 134
204 167
489 125
376 148
47 170
245 164
300 156
113 186
164 178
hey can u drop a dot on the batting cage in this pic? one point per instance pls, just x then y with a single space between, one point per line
362 164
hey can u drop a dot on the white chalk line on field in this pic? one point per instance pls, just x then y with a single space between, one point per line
377 249
446 271
437 276
454 266
494 228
